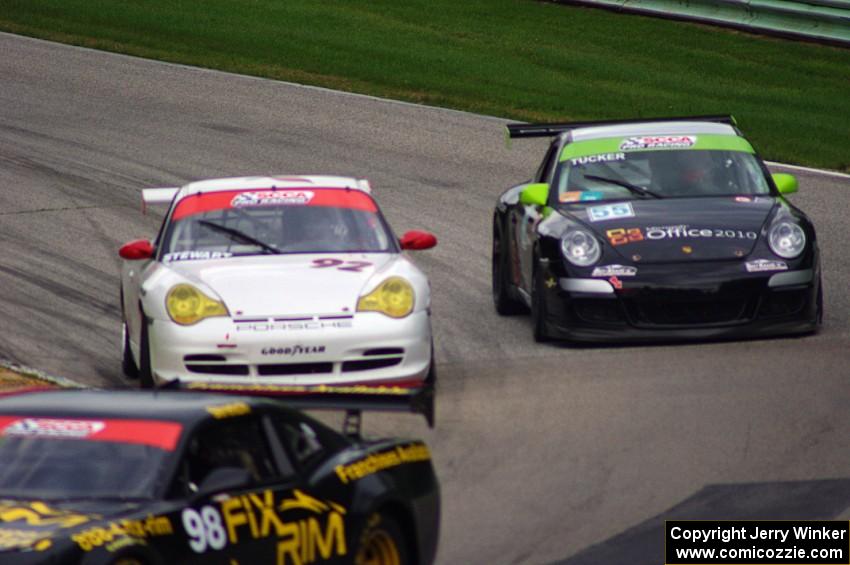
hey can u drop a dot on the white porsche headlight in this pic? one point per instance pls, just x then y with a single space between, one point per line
580 247
786 239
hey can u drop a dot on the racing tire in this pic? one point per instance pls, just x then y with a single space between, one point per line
145 371
506 304
382 543
128 364
538 308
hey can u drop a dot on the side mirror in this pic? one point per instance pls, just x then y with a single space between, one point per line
787 184
225 478
536 194
137 249
415 240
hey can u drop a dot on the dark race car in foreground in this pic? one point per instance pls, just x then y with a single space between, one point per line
654 230
132 478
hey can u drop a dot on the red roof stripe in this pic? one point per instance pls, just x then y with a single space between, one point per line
222 200
155 433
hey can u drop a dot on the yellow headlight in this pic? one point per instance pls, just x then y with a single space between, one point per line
187 305
393 297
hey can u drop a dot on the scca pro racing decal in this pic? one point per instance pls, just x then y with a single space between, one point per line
610 212
163 435
46 427
272 198
658 142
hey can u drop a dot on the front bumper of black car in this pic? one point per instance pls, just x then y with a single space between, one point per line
717 302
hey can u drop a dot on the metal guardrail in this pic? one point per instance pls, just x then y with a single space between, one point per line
821 20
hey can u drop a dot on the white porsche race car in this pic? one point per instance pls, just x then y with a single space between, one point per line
275 281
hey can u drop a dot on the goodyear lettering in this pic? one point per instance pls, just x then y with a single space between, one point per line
383 460
293 350
229 410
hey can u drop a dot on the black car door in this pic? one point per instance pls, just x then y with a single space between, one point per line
233 479
528 216
266 510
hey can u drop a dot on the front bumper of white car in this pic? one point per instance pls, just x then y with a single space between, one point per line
365 348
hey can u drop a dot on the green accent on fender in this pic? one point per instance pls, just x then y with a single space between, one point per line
536 194
612 145
787 184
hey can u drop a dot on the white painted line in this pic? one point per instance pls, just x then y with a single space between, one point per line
41 375
823 172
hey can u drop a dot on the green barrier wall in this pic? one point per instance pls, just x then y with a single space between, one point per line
821 20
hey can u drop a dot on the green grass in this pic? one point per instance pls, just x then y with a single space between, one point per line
521 59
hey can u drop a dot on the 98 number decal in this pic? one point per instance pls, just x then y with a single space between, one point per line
204 528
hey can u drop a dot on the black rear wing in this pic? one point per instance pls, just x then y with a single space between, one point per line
353 399
550 130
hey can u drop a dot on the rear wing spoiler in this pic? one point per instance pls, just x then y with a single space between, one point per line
353 399
549 130
157 196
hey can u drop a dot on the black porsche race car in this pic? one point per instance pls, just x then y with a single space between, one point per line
654 230
132 477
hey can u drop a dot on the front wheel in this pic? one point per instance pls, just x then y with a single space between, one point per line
382 543
538 308
128 364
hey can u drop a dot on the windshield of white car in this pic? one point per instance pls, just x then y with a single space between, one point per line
62 468
659 174
279 229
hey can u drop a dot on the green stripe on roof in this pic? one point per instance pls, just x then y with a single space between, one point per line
612 145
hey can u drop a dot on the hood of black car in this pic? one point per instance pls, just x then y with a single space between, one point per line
678 229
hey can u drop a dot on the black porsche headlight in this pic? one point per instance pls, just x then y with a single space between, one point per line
580 247
786 239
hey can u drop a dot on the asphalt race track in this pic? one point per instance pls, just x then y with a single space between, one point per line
545 453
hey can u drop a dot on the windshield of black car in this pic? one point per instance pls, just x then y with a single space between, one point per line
244 223
58 459
659 174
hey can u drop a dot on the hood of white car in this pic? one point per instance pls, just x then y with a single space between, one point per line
287 285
